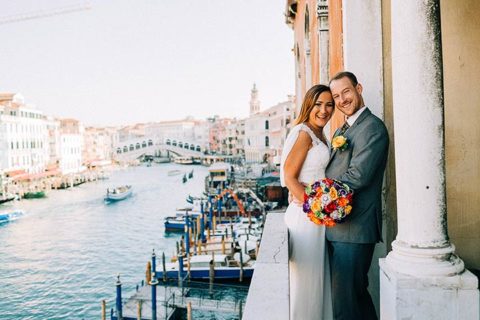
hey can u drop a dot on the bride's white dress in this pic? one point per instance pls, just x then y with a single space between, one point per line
310 289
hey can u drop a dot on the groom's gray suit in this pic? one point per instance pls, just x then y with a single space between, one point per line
350 244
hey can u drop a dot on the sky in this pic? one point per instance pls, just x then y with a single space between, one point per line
123 62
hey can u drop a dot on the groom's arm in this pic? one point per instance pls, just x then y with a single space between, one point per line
368 155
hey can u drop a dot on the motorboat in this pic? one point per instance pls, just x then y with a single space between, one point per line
8 197
34 195
183 160
119 193
11 215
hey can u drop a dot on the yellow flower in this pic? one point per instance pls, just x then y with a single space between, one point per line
348 209
333 193
338 142
316 205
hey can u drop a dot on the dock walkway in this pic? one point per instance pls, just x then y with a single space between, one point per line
172 298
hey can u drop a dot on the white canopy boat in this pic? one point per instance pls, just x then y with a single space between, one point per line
118 193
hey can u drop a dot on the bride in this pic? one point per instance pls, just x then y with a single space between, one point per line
304 159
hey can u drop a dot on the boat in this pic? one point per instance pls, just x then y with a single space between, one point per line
174 224
183 160
226 267
12 215
174 172
7 198
34 195
119 193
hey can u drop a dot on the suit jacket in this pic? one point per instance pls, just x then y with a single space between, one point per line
361 166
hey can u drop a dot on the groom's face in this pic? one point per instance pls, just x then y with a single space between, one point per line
347 97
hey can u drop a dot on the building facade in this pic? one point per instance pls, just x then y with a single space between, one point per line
97 146
71 146
23 136
266 130
418 62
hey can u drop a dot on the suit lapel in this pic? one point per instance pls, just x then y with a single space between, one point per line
350 130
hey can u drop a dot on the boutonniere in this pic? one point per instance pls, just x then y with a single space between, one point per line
340 143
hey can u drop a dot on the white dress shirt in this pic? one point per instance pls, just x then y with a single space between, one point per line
351 120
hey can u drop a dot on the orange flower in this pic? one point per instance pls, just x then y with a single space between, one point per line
342 202
348 209
328 222
316 205
316 220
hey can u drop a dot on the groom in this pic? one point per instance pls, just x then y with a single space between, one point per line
361 166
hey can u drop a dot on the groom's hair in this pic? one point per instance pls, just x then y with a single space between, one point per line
345 74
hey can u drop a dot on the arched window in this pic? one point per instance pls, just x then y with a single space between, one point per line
119 150
266 124
267 142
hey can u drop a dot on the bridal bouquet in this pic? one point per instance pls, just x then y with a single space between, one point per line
327 202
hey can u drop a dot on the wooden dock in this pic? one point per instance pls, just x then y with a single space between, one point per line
171 298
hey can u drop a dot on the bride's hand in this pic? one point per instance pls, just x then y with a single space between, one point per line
291 199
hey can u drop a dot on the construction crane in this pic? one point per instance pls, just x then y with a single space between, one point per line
44 13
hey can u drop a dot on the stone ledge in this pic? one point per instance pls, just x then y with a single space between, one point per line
268 296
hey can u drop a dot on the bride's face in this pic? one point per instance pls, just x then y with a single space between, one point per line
322 111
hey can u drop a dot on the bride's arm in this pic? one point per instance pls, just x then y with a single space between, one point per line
294 163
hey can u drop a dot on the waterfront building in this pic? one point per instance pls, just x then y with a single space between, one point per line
232 142
266 130
221 135
240 136
418 62
53 129
71 145
23 136
98 145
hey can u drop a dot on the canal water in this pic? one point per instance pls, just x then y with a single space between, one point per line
62 258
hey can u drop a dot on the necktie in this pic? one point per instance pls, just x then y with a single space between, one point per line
343 129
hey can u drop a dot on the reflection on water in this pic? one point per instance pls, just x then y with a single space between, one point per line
60 260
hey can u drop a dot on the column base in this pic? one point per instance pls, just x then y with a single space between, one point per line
421 297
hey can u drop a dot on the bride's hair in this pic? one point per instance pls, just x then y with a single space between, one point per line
309 101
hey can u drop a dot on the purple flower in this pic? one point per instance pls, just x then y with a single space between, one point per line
306 207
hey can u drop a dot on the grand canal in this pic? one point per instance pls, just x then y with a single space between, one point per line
61 259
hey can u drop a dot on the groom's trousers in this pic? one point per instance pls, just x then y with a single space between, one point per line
349 264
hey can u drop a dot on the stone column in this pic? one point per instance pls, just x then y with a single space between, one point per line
421 278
